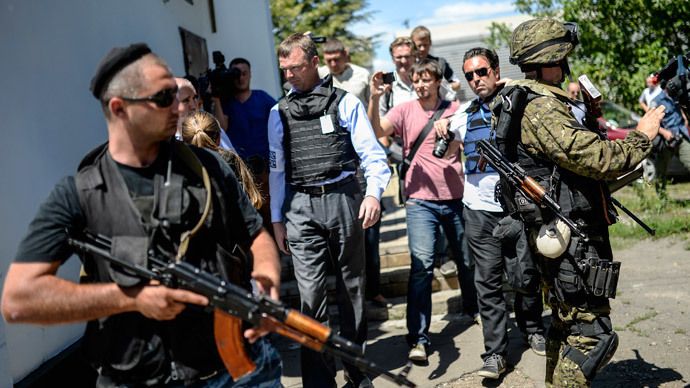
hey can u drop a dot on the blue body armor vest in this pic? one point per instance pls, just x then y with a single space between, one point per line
478 128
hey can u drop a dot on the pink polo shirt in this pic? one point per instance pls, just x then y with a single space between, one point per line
428 178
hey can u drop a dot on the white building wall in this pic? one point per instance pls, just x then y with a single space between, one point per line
49 119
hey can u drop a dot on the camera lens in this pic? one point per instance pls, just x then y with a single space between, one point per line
441 145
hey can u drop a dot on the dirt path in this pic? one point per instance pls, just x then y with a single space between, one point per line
651 315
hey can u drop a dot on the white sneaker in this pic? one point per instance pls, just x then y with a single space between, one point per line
417 353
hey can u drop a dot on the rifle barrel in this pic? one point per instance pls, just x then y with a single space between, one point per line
632 215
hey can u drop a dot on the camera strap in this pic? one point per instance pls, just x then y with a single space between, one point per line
407 159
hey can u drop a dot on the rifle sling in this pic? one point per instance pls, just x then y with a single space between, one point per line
192 161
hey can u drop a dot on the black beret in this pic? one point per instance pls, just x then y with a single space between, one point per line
116 59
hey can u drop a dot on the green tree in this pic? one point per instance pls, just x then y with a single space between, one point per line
621 41
330 18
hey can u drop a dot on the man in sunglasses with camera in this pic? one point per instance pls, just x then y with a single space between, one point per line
536 129
144 192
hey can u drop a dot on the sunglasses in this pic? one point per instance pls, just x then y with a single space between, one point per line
162 99
481 72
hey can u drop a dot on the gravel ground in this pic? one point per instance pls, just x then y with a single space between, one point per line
651 314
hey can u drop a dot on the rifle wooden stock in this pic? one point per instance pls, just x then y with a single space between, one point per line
227 331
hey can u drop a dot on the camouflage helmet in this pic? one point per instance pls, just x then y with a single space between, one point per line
542 41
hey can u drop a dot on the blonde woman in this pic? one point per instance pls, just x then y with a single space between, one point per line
203 130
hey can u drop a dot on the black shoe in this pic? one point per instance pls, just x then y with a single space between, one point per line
493 367
537 342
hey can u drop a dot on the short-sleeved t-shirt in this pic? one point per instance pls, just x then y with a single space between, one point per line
428 177
248 124
46 238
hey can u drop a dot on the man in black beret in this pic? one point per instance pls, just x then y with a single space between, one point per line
140 190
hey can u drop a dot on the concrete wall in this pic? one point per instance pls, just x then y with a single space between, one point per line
49 120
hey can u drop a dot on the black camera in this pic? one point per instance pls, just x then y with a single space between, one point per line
441 145
221 79
674 79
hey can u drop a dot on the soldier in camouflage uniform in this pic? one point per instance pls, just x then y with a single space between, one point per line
572 163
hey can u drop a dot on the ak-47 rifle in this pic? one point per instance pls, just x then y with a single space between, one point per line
232 305
518 178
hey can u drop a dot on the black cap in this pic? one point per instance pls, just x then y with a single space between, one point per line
116 59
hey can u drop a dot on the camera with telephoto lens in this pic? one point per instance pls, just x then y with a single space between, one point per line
221 79
674 79
441 145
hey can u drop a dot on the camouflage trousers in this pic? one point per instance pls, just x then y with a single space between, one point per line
562 371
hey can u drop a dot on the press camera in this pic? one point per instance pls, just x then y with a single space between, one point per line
674 78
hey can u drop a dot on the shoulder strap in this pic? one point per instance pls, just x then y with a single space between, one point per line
509 110
407 160
192 161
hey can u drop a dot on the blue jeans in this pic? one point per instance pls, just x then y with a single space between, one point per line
424 218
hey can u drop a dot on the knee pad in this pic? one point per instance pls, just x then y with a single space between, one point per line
595 359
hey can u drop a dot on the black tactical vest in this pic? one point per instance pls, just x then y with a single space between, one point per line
129 347
310 154
580 198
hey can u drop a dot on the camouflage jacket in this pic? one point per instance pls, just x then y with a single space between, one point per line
550 131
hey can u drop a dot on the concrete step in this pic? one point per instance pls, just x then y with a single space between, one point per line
393 260
442 302
394 281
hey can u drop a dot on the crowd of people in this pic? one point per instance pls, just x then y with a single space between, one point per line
304 175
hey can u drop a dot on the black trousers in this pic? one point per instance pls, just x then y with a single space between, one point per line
488 277
322 228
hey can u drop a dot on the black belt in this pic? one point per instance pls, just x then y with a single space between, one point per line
323 189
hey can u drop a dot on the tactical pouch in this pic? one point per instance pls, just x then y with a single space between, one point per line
529 211
520 268
569 285
585 275
602 278
133 249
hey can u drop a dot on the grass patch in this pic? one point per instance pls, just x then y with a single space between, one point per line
651 314
638 332
680 331
668 213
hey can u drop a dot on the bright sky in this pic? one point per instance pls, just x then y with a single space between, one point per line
390 16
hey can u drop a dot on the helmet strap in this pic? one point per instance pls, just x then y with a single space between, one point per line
566 68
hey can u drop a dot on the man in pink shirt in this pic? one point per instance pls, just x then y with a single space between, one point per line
434 187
